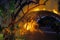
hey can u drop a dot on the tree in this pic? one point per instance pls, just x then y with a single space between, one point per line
9 8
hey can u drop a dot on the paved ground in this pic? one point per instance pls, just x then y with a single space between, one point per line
52 36
47 35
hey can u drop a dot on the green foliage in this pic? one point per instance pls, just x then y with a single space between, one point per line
1 36
1 9
12 6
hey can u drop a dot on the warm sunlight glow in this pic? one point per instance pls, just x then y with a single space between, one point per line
31 26
36 9
55 11
44 8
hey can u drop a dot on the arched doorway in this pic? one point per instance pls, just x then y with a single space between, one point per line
43 18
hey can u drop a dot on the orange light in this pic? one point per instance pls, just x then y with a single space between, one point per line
30 25
36 9
55 11
44 9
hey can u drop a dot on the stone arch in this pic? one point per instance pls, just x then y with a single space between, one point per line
38 15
